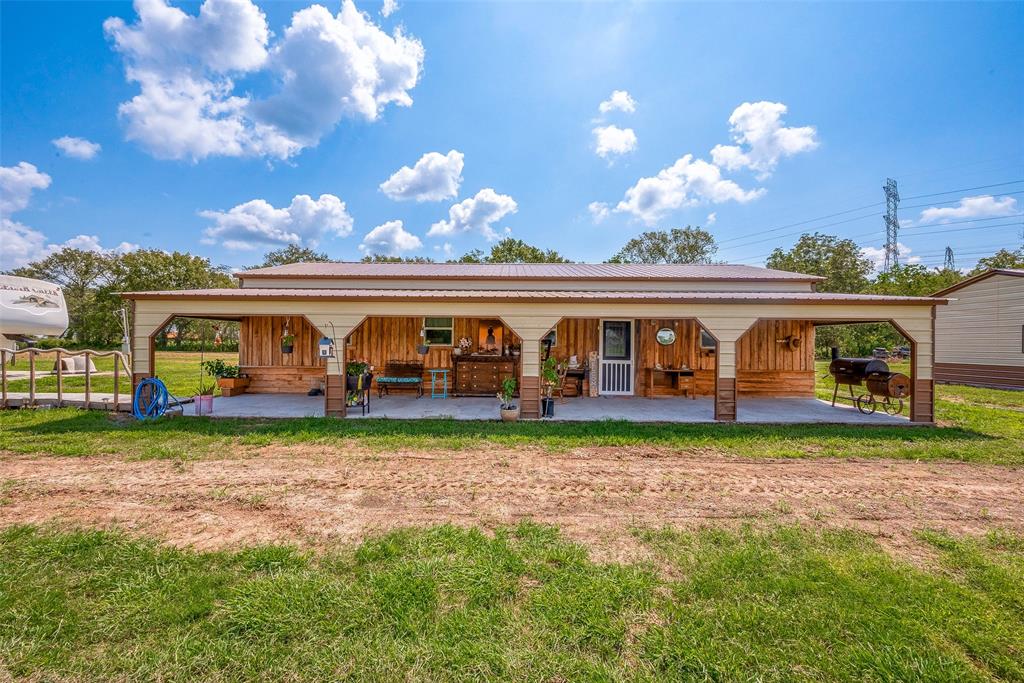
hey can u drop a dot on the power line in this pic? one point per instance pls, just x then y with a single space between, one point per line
965 189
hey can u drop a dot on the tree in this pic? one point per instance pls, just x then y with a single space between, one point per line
511 250
686 245
838 260
382 258
1004 258
913 280
293 253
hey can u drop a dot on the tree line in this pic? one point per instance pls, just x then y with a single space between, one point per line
92 281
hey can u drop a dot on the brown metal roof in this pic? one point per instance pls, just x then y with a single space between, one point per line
530 295
1013 272
529 271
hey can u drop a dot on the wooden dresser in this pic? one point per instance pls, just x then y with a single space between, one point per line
482 375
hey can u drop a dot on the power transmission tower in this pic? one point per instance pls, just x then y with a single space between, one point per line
892 224
949 263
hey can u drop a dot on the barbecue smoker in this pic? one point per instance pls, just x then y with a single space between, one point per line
885 389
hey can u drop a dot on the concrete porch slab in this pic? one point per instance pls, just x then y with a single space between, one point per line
683 410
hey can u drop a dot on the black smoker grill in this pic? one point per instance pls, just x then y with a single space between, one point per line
885 389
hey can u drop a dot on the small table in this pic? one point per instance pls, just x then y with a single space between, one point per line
435 375
682 380
577 375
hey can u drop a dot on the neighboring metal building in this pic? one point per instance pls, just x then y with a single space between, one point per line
979 335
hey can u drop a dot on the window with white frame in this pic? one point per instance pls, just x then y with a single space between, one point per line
438 331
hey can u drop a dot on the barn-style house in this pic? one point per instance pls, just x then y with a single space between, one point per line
726 337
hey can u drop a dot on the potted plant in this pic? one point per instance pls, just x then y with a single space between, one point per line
204 398
287 343
549 375
465 344
509 409
229 378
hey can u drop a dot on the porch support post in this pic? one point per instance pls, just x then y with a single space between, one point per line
726 329
334 384
530 330
921 334
725 381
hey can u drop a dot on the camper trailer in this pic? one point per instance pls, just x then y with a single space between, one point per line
30 309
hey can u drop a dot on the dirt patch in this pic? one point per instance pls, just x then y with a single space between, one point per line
313 495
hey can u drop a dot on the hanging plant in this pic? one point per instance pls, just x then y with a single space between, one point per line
287 343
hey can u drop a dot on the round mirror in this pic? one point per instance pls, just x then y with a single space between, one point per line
666 336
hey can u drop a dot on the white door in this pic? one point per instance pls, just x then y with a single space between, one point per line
616 358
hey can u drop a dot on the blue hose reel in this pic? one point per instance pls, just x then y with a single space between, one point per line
151 399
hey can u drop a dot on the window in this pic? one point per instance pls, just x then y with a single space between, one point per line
550 338
617 342
438 331
707 341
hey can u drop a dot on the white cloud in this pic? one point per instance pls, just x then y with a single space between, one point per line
612 140
388 8
390 239
762 139
687 182
477 213
77 148
435 177
983 206
711 219
256 223
17 183
325 67
598 211
877 255
620 100
445 248
22 245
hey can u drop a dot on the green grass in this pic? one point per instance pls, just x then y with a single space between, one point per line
179 371
780 604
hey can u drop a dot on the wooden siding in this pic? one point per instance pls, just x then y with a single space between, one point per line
766 366
684 351
984 325
380 339
272 371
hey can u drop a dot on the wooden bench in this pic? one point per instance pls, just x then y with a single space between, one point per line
400 374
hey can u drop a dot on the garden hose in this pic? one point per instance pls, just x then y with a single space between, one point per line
151 399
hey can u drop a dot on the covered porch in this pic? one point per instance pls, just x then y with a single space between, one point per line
673 357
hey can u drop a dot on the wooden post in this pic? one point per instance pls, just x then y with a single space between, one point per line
88 383
725 381
31 377
60 380
117 379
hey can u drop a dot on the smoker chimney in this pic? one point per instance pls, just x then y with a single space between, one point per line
835 352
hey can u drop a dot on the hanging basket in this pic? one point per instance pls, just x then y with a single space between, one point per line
422 349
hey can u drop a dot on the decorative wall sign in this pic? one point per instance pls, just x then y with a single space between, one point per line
666 336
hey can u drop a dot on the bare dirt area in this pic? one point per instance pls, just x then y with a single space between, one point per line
312 495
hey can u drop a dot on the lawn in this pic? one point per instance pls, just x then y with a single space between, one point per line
445 603
179 371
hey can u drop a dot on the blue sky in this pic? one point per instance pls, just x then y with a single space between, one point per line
306 112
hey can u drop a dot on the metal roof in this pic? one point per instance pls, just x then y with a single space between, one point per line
1012 272
529 271
530 295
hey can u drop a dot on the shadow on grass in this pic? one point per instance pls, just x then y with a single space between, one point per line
608 432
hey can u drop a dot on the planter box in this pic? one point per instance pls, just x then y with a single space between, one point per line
232 386
510 414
